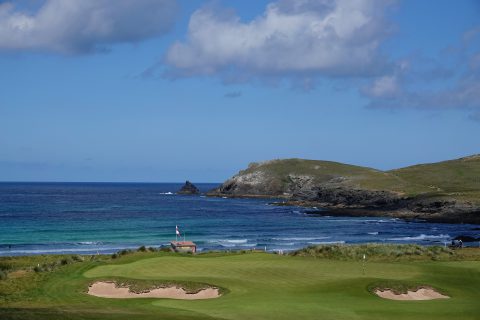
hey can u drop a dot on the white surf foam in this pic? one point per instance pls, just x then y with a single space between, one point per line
300 238
235 241
326 242
421 237
89 243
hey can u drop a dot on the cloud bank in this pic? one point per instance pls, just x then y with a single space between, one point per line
292 38
432 85
83 26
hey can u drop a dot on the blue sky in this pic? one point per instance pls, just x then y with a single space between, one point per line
172 90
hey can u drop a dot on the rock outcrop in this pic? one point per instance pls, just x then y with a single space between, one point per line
188 188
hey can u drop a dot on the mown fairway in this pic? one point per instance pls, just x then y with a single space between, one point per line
260 286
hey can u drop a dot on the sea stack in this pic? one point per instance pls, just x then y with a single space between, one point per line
188 188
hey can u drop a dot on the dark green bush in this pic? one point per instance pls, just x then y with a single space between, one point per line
77 258
142 249
124 252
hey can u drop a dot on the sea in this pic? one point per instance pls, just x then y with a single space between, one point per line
90 218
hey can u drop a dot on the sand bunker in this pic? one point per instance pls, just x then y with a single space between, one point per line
111 290
419 294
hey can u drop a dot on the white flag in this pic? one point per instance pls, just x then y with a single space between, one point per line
176 231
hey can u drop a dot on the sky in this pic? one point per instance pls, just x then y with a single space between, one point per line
165 90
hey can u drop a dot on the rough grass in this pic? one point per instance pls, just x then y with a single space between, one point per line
260 286
459 178
382 252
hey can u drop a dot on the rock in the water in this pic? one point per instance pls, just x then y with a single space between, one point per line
466 238
188 188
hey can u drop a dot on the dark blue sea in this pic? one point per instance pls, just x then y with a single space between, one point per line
83 218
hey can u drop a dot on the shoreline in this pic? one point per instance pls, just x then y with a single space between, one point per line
400 212
165 250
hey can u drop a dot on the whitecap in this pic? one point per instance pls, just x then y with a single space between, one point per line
89 243
235 241
421 237
327 242
166 193
373 233
300 238
248 245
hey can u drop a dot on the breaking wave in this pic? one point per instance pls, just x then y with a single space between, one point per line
422 237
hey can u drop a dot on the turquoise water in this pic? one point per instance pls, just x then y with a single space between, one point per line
105 217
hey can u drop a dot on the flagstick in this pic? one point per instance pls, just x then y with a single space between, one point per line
363 265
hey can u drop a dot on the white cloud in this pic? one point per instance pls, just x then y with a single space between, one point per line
384 87
429 85
82 26
291 38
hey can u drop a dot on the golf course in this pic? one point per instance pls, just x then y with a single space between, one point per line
326 282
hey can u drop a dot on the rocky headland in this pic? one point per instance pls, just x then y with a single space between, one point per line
442 192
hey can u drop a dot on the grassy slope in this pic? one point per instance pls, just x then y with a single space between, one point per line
261 286
459 178
323 171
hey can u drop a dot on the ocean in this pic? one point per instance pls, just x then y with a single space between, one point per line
86 218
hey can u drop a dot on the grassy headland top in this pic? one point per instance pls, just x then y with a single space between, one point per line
451 188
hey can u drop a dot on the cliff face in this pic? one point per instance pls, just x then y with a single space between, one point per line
351 190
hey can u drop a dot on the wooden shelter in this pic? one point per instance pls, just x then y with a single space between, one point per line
184 246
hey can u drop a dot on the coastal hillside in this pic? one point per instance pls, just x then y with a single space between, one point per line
444 191
285 177
459 178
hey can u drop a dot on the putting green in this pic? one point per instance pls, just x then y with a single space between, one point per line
281 287
256 286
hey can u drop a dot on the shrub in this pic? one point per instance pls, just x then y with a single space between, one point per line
124 252
114 256
38 269
152 249
142 249
3 275
77 258
65 261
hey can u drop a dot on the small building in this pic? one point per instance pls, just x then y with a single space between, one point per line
184 246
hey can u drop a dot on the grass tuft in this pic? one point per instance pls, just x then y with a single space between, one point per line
373 251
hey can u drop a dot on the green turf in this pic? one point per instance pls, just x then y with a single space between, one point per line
459 178
257 286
